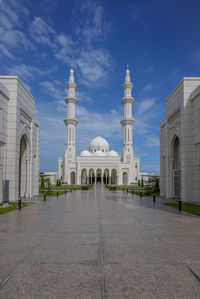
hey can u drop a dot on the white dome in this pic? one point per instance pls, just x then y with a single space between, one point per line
99 143
99 153
85 153
112 154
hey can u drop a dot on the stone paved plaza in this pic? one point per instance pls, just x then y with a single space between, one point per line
99 244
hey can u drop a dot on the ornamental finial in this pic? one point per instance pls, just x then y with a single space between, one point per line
71 74
127 66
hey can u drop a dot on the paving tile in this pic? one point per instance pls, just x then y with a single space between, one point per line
149 281
73 246
54 281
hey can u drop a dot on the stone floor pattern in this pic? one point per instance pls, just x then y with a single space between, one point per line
99 244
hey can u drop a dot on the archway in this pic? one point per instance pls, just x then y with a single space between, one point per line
125 179
24 167
99 175
176 167
72 178
106 177
83 177
114 177
91 177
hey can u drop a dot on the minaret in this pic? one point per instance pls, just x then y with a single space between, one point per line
71 121
127 121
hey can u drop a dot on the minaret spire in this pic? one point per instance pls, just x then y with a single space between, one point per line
127 121
70 121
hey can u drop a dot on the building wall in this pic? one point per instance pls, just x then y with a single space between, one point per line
181 120
4 100
102 163
21 122
52 176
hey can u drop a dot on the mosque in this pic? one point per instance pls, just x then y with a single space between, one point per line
99 165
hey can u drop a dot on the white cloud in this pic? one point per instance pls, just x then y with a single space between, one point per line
152 141
5 52
42 33
145 105
11 15
147 88
91 124
54 89
26 72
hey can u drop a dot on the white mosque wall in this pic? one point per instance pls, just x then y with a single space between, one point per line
19 120
182 112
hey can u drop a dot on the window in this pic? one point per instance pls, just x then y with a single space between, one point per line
136 166
136 179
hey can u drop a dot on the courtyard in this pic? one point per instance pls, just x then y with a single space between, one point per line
99 244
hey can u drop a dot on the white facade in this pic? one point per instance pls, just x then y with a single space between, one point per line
19 140
99 165
52 176
180 142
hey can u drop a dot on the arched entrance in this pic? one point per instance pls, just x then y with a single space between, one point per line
72 178
91 177
106 177
83 177
176 167
99 176
125 179
114 177
24 167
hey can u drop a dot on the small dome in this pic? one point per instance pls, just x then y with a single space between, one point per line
99 143
112 154
85 153
99 153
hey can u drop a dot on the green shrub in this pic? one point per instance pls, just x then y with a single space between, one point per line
58 183
138 183
85 187
42 183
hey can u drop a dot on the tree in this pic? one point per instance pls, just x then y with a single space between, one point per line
42 183
157 186
142 183
58 183
138 183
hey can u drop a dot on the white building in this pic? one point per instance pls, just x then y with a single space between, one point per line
180 142
99 165
51 175
19 141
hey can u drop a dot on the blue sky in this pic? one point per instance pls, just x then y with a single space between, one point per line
158 39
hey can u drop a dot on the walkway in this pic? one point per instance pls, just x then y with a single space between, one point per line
98 244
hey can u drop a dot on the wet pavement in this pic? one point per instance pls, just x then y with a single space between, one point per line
99 244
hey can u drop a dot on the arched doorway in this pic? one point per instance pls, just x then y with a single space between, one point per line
99 175
106 177
91 177
24 167
176 167
114 177
72 178
125 179
83 177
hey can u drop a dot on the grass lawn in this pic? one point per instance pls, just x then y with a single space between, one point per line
145 194
187 207
52 192
13 206
68 188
